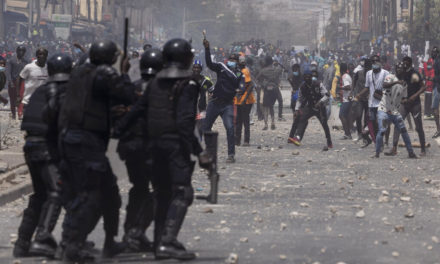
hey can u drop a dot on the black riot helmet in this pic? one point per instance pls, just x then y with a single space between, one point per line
20 50
59 67
104 52
178 53
151 62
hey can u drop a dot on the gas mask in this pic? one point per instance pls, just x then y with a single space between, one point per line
295 73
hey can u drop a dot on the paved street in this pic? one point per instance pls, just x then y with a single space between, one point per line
285 204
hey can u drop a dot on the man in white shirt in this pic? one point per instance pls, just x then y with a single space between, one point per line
33 75
374 85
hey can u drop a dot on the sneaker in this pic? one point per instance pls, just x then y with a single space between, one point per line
230 159
294 140
375 156
356 139
272 126
329 143
281 119
436 135
265 128
245 144
412 155
251 123
367 142
345 137
392 152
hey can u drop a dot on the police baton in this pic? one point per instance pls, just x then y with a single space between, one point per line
125 37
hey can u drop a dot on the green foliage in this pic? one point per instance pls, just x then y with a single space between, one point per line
418 30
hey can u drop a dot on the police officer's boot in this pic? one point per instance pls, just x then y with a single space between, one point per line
26 230
112 248
77 252
137 241
44 243
169 247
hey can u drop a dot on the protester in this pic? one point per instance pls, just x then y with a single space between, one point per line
2 79
346 98
269 78
13 68
221 102
244 101
388 112
33 75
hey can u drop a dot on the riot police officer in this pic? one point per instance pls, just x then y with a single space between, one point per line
131 149
170 108
42 157
85 129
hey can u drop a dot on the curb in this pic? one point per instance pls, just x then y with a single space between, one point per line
18 190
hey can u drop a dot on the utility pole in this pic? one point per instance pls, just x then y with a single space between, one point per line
427 26
184 23
31 15
88 11
411 16
95 9
2 20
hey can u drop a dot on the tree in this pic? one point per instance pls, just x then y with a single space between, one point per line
417 33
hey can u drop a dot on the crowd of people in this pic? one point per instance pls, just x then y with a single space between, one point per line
72 101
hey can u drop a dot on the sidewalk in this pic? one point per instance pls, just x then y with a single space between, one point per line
14 181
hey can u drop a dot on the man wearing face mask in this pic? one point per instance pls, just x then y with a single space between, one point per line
311 102
244 101
394 94
206 86
428 75
295 80
269 77
413 105
436 90
13 69
228 82
373 84
346 92
360 104
2 79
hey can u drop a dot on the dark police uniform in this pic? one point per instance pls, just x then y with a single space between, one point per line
42 158
85 124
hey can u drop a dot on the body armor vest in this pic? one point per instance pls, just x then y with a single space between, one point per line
33 122
161 112
83 109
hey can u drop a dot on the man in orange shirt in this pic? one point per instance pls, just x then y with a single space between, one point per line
243 102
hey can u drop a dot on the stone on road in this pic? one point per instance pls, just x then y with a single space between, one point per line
275 206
